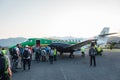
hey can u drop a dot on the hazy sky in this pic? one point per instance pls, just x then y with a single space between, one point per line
45 18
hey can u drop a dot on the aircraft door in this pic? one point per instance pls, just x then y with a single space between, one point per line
37 42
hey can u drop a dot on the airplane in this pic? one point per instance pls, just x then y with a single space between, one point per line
68 48
69 45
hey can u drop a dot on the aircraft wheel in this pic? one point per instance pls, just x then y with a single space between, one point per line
61 53
71 55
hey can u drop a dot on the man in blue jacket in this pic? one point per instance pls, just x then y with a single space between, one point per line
92 53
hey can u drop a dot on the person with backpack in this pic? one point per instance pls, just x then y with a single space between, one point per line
37 53
43 54
47 49
15 53
92 54
5 70
26 57
19 52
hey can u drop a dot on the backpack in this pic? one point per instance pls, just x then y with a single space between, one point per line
26 54
38 51
52 53
92 51
43 53
14 54
3 64
47 50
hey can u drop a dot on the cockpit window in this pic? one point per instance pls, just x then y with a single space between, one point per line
30 40
26 40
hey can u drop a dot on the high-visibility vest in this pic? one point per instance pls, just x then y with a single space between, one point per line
98 49
55 52
4 52
95 46
82 49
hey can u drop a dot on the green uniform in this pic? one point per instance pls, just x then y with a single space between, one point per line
55 54
5 75
83 51
4 52
98 49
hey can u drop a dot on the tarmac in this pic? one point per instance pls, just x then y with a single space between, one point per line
78 68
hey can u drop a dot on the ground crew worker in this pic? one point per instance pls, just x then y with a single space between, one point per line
95 46
99 50
51 55
83 51
55 54
5 70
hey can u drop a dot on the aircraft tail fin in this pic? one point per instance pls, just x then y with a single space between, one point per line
105 31
102 37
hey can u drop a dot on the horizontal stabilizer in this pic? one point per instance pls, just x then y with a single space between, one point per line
107 34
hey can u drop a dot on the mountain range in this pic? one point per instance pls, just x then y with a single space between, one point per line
114 39
11 41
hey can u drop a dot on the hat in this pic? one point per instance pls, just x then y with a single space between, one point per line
26 46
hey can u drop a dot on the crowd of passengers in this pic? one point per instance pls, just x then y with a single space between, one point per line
22 56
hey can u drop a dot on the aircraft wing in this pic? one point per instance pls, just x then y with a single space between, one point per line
77 46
